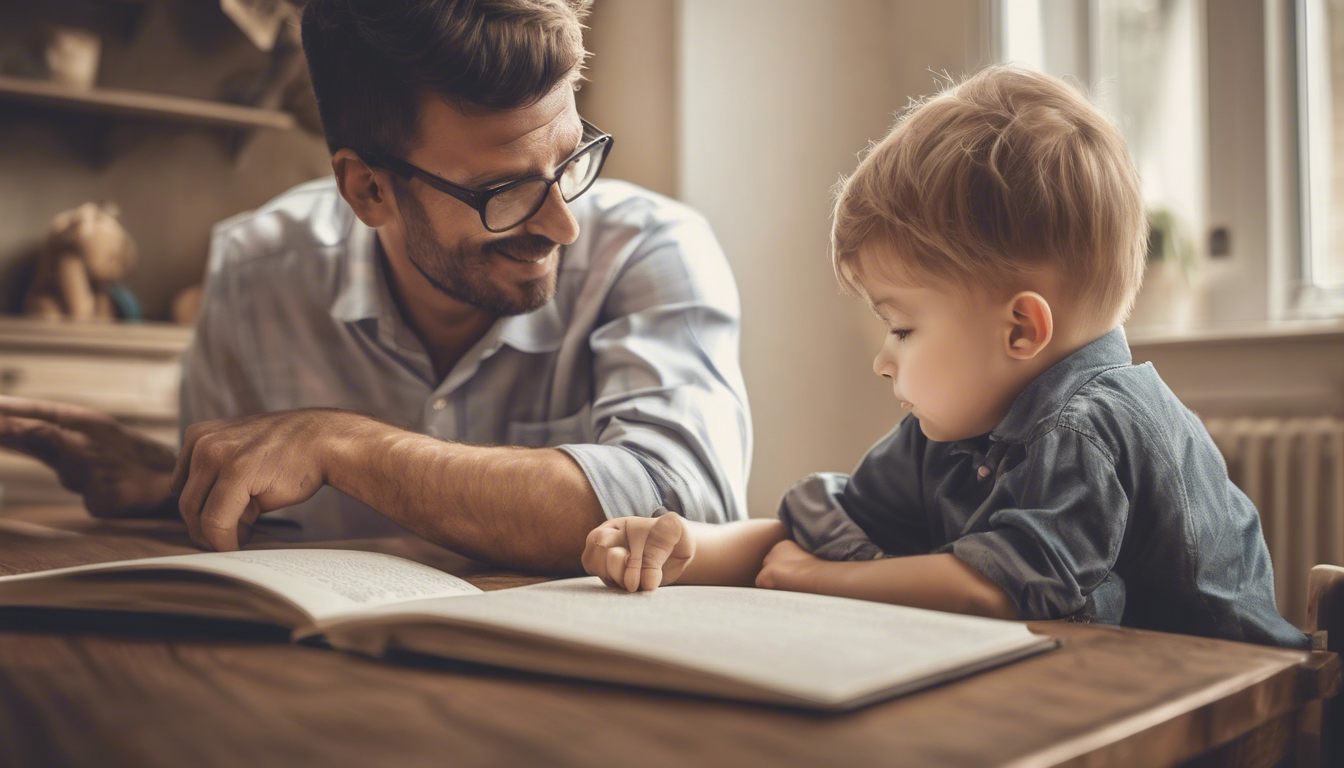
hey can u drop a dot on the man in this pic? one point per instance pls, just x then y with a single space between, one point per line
462 330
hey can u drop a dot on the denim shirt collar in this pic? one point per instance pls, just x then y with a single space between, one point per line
364 294
1037 407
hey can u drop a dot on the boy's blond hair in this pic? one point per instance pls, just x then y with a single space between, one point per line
992 179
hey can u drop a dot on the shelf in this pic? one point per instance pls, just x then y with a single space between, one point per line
142 104
1265 330
149 339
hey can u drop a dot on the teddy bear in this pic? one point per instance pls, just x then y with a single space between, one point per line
86 255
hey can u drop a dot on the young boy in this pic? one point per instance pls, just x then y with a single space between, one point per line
999 232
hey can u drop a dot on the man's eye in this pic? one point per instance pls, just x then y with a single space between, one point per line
902 333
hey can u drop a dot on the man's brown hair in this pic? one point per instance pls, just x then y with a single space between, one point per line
370 60
992 179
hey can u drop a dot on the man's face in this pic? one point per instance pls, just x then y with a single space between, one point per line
505 273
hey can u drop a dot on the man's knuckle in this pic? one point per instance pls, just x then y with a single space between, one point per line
211 522
212 449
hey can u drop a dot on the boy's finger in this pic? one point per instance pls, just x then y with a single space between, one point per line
636 535
595 560
615 566
595 563
658 545
607 537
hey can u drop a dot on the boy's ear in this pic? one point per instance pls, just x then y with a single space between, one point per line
368 191
1032 325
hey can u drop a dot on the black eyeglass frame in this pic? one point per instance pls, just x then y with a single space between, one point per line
479 198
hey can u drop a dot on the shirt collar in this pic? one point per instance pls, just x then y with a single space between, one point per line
540 330
364 294
361 292
1038 406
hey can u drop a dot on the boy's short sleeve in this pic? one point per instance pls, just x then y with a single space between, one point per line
875 512
1057 538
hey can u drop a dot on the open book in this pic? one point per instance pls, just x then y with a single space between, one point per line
787 648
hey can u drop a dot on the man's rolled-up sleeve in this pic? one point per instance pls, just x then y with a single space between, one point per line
1060 539
670 417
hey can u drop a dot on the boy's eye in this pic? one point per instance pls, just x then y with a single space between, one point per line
901 333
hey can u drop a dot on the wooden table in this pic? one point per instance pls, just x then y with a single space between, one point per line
169 696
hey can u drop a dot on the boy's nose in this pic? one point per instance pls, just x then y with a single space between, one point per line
881 367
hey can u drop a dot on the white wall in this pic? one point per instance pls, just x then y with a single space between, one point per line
776 100
751 110
632 89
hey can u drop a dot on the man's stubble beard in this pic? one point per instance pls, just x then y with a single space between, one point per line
463 273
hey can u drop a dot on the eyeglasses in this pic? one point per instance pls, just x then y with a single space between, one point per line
505 206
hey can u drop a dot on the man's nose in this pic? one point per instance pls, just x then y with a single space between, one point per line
554 221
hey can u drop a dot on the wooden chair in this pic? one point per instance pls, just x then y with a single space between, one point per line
1325 623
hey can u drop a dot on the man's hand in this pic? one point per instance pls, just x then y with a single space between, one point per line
788 566
118 472
639 553
232 471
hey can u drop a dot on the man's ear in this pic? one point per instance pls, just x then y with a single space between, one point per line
368 191
1031 325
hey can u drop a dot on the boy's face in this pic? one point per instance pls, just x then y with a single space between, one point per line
945 353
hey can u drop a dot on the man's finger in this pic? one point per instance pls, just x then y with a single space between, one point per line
41 439
226 505
182 470
45 410
658 545
198 483
190 515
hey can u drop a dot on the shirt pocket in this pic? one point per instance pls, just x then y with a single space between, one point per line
576 428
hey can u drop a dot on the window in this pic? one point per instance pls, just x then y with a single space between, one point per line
1234 112
1320 81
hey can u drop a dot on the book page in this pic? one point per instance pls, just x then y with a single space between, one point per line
817 648
321 582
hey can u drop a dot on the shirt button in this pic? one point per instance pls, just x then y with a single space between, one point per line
982 473
441 403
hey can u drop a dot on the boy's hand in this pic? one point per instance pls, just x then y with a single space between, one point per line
787 566
639 553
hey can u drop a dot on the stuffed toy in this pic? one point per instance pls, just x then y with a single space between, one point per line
77 278
187 305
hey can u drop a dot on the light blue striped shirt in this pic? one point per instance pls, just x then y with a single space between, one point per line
632 369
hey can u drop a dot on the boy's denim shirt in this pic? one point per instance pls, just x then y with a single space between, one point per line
1099 497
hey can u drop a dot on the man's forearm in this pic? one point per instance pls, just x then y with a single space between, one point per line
522 507
939 582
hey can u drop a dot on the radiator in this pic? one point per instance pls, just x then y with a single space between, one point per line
1293 471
